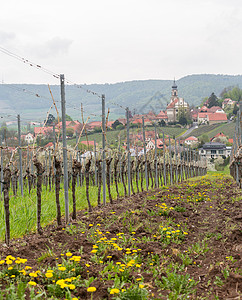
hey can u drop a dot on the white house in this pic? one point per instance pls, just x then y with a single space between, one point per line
213 150
191 140
29 138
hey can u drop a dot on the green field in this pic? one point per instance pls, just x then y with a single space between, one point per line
211 130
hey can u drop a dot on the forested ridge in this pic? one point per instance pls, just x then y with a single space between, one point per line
138 95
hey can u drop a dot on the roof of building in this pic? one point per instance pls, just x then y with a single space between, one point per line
162 115
173 103
122 120
217 117
90 143
139 121
50 144
192 138
227 100
42 130
95 124
214 145
213 109
204 109
220 134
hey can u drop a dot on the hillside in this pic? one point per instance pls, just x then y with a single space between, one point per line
141 96
211 130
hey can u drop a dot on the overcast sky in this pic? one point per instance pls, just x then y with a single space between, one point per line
108 41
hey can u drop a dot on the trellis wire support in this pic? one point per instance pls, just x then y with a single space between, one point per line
164 160
63 111
146 173
54 136
128 149
1 166
95 158
171 173
20 156
156 177
103 146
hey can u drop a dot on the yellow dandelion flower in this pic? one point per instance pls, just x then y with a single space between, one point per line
114 291
71 286
91 289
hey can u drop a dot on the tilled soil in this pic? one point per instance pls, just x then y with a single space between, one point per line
215 220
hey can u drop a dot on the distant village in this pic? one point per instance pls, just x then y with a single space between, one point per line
177 114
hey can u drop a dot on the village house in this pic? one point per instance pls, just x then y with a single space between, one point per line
43 131
194 114
214 118
228 102
139 121
218 136
28 138
162 116
176 104
98 124
211 118
191 141
75 125
213 150
215 109
151 144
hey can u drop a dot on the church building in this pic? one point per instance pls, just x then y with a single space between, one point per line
176 105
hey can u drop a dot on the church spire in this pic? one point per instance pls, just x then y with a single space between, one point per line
174 84
174 92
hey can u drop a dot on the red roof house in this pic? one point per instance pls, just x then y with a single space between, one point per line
217 118
191 140
42 130
162 116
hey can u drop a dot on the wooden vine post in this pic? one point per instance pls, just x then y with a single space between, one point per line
76 167
122 176
138 162
99 172
6 186
131 176
108 164
58 174
87 168
40 171
116 162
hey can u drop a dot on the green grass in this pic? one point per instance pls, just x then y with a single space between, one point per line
23 209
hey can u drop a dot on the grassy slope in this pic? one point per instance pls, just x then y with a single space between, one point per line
211 130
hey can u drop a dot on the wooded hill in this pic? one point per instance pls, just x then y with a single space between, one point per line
141 96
